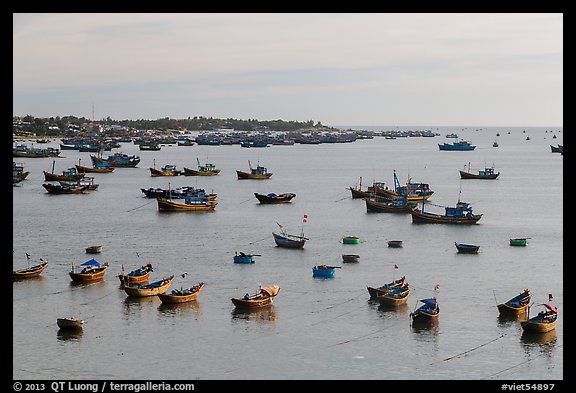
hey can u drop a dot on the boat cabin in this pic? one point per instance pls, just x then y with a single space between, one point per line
462 209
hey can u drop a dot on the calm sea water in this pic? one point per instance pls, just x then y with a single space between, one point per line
316 328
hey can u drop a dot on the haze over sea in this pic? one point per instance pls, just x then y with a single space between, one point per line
316 328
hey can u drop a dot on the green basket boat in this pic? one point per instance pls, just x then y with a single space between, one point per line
519 241
351 240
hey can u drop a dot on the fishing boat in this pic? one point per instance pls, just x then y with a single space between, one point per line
377 291
92 271
181 295
190 204
395 297
166 170
517 305
244 258
60 189
377 204
351 240
495 144
412 191
350 258
461 145
120 160
136 276
202 170
544 322
152 289
286 240
34 152
427 312
324 271
358 193
33 271
262 298
94 249
18 171
150 146
487 173
259 172
274 198
519 241
100 167
460 214
464 248
177 193
70 323
87 182
69 174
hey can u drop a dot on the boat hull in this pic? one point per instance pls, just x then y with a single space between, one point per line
157 172
467 248
506 309
387 207
351 240
94 249
394 298
468 175
168 205
245 259
31 272
246 175
350 258
430 218
286 242
538 327
323 273
148 290
70 324
194 172
268 199
89 277
85 169
252 304
177 298
518 242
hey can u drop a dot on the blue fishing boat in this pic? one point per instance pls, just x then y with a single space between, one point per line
461 145
375 292
427 312
460 214
464 248
117 160
324 271
517 305
244 258
286 240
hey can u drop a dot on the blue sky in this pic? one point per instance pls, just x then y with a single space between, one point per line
340 69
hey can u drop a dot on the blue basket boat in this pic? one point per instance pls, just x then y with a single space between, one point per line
324 271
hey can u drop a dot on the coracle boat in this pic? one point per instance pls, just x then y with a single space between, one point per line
259 172
460 214
152 289
33 271
428 312
324 271
461 145
487 173
70 323
191 203
517 305
244 258
60 189
181 295
273 198
203 170
136 276
395 243
167 170
464 248
92 271
94 249
395 284
519 241
351 240
263 298
350 258
395 297
544 322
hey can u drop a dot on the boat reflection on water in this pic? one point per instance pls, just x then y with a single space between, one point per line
256 314
179 309
542 339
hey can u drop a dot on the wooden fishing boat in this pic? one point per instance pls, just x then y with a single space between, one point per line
119 160
259 172
324 271
274 198
350 258
177 193
18 171
464 248
428 312
395 297
544 322
94 249
395 243
136 276
152 289
33 271
60 189
351 240
460 214
244 258
487 173
379 204
203 170
517 305
190 204
181 295
262 298
69 174
519 241
92 271
286 240
378 291
166 170
70 323
358 193
86 169
87 181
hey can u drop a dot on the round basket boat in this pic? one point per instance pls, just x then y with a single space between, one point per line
395 243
